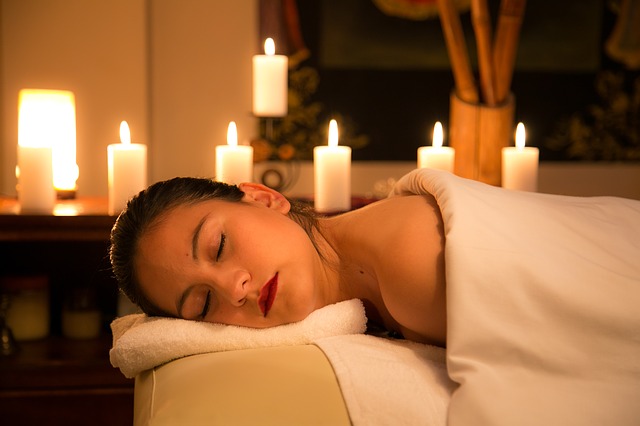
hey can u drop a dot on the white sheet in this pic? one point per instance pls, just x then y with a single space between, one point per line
390 382
543 298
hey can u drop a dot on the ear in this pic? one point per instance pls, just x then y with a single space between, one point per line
266 196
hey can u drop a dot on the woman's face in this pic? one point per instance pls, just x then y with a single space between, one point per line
244 263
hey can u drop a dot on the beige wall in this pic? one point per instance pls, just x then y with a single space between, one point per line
200 80
177 70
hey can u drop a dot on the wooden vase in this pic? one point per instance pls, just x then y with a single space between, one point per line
478 133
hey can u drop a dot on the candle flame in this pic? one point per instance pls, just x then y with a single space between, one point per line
437 135
333 133
232 134
269 47
520 136
125 133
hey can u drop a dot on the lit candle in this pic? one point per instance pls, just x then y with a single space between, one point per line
270 82
36 132
49 117
436 156
63 139
127 169
234 163
332 174
520 164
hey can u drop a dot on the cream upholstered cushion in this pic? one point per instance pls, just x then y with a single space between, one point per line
267 386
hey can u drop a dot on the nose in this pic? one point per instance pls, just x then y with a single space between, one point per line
234 285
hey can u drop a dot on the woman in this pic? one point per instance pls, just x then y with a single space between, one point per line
541 290
246 255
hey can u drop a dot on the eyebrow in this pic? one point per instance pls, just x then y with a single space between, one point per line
196 236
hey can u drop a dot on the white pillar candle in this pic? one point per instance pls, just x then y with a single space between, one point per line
234 163
437 156
36 133
127 170
332 174
520 164
270 85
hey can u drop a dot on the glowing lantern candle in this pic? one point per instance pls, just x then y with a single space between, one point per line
332 174
520 164
234 163
127 170
270 85
437 156
65 169
46 147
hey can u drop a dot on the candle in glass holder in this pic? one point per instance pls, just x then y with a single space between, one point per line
332 174
46 132
270 85
437 156
234 163
35 179
28 311
81 317
127 170
520 164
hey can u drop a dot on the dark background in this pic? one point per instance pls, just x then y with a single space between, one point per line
396 108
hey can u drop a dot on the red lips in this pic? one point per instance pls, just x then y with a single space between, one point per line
268 295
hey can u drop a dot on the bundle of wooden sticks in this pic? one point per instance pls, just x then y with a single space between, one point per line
496 58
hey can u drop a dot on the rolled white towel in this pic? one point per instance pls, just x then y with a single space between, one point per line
141 342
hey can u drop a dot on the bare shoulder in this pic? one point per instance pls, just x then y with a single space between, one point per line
411 272
407 239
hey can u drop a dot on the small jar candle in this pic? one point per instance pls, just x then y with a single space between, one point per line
28 313
81 317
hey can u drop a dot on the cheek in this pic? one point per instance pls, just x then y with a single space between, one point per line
230 315
298 240
280 236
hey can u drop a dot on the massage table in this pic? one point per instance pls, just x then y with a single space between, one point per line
283 385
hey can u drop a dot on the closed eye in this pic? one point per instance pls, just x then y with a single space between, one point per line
207 303
223 240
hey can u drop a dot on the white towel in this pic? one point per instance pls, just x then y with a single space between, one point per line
141 342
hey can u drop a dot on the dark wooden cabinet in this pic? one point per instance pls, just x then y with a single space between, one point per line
55 380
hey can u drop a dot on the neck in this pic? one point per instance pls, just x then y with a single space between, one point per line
347 267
